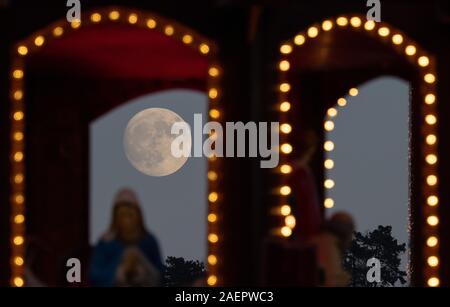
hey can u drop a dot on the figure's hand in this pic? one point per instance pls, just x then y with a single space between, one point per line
130 257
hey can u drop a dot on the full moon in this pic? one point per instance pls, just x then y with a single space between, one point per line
147 142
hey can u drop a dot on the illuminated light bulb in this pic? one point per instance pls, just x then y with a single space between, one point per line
342 21
58 31
369 25
96 17
18 282
18 178
286 49
313 32
432 180
212 280
214 113
286 148
328 125
430 119
18 156
328 203
19 219
19 199
433 282
285 87
328 145
39 40
285 210
355 22
410 50
397 39
213 93
212 260
18 115
353 92
433 261
332 112
342 102
432 200
329 164
430 99
213 238
151 23
18 136
327 25
212 218
204 48
432 220
168 30
22 50
213 71
187 39
431 159
285 169
429 78
18 240
75 24
290 221
423 61
328 183
114 15
285 106
18 95
284 65
212 175
431 139
383 31
132 18
299 39
17 74
286 231
18 261
432 241
213 197
285 128
285 190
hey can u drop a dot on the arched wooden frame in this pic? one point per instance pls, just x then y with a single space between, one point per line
425 67
36 42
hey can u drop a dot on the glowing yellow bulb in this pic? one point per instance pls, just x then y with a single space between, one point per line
328 183
430 99
96 17
285 87
285 210
18 156
132 18
213 197
214 113
432 241
18 136
353 92
430 119
285 128
290 221
342 102
204 48
213 71
58 31
433 261
299 39
285 190
433 282
18 240
342 21
18 261
22 50
369 25
432 200
212 260
432 220
329 164
18 74
39 40
423 61
18 178
328 125
213 238
213 93
285 106
212 280
114 15
187 39
212 175
286 148
328 203
397 39
75 24
286 231
18 282
431 139
429 78
286 49
328 145
410 50
168 30
18 115
383 31
19 219
151 23
431 159
284 65
432 180
332 112
313 32
327 25
212 218
285 169
19 199
355 22
18 95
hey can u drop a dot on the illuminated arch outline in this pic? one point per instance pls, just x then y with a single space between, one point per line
425 64
60 28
